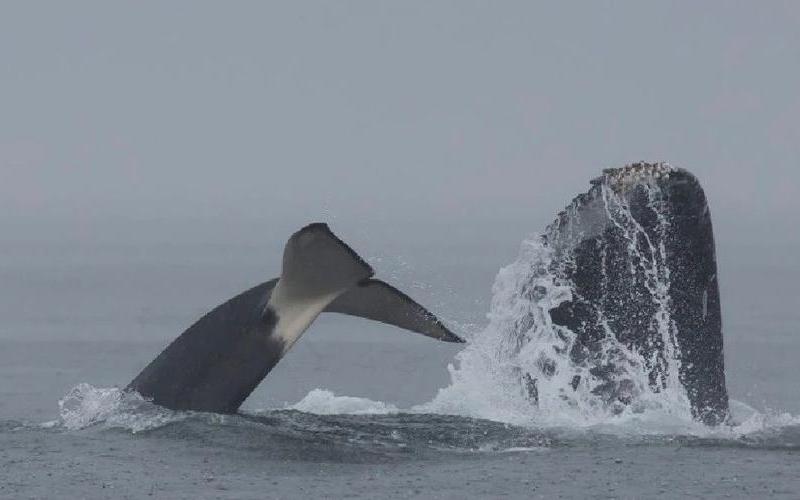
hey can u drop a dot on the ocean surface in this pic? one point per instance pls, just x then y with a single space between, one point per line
359 409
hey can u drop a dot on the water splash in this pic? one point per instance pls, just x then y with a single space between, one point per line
527 368
324 402
650 259
86 406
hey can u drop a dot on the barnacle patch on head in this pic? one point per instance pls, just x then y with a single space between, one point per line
621 179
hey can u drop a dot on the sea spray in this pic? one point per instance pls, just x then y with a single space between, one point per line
534 363
86 406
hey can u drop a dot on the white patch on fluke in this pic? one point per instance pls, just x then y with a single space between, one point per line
295 314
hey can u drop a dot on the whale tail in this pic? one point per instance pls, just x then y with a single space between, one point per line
218 361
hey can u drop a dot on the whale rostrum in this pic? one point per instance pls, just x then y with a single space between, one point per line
637 251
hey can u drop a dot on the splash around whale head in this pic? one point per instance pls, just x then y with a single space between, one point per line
613 311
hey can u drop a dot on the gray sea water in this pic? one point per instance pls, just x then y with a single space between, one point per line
356 409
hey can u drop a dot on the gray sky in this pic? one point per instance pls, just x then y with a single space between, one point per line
418 128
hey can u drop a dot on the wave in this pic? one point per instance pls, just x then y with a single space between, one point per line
324 426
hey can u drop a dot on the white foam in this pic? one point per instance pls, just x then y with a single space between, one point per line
746 420
324 402
85 406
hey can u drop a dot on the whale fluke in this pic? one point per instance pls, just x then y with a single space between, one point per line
379 301
219 360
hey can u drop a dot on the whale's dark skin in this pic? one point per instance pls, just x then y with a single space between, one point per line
594 253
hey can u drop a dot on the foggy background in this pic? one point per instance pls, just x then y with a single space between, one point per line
155 157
